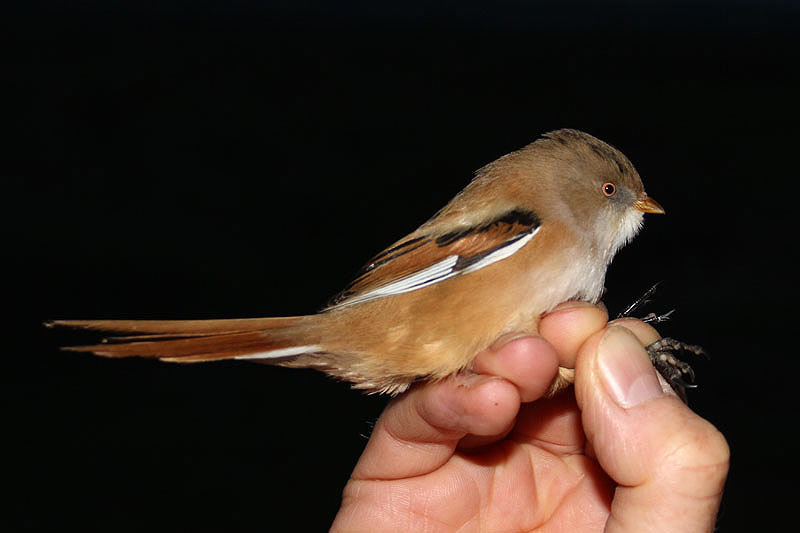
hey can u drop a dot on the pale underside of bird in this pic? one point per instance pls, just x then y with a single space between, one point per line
534 228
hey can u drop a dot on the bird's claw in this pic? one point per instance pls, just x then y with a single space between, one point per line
678 373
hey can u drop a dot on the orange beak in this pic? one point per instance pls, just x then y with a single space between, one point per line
648 205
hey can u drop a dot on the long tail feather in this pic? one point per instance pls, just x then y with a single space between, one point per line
186 341
183 327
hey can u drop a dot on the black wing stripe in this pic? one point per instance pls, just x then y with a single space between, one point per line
406 247
393 249
523 223
521 217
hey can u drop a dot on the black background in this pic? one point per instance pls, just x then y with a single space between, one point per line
210 159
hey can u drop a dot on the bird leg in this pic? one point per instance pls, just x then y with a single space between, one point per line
676 372
643 300
652 318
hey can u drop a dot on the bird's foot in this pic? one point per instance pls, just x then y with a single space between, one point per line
676 372
663 352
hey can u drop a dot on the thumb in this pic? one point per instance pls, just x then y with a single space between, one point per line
669 464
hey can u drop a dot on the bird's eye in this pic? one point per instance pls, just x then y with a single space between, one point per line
609 189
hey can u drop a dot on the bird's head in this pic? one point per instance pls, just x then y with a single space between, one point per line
597 185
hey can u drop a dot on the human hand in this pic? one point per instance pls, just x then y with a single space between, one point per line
486 452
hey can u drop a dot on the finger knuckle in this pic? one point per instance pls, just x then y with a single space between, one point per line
698 457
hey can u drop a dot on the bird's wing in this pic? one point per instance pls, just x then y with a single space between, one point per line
423 259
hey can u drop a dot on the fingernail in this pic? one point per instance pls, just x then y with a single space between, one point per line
628 375
472 380
572 304
505 339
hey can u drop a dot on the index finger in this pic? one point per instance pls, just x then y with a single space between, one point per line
418 431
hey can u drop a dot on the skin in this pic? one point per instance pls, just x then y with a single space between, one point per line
485 451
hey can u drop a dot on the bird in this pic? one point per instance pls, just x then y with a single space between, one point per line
532 229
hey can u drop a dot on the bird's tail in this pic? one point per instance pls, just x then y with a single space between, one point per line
269 340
